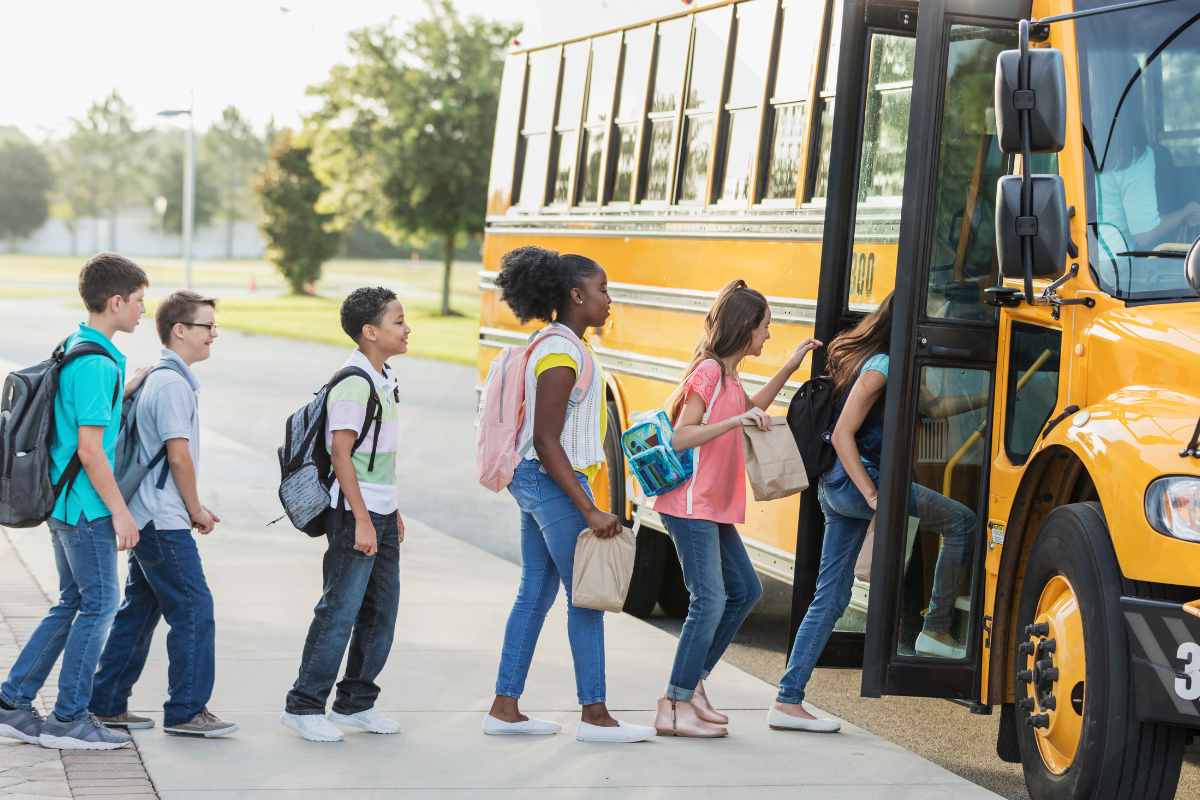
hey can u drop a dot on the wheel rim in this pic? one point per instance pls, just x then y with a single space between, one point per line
1054 669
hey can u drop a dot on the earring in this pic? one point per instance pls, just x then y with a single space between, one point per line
580 302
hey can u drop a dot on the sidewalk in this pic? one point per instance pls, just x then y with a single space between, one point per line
454 602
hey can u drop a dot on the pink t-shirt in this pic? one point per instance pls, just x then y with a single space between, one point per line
718 484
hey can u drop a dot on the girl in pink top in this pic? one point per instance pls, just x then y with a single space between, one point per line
709 408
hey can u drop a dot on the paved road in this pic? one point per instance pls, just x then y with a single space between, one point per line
251 383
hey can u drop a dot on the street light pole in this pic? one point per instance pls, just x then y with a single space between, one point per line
189 189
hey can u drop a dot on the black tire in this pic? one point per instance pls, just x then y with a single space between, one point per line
647 573
673 594
1117 757
615 460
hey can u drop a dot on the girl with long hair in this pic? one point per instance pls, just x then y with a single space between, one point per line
562 440
708 410
848 492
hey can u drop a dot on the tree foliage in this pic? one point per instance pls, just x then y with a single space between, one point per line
25 183
403 137
166 180
299 237
231 154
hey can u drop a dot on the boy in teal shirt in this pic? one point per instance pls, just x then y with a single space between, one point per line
90 522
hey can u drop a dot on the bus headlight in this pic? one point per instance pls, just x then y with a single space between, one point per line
1173 507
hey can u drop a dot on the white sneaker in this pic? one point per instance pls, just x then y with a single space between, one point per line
313 727
929 645
370 721
782 721
529 727
624 733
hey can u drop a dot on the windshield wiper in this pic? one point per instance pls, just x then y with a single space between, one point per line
1154 253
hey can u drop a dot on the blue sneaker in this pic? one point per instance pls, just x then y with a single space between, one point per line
23 724
85 733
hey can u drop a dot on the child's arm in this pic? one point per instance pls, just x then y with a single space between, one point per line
766 395
365 538
184 472
99 472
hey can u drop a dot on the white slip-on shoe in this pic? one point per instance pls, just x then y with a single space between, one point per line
370 721
313 727
622 733
928 644
529 727
780 721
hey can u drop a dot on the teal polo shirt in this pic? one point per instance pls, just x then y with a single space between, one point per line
85 397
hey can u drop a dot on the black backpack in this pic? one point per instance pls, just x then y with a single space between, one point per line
306 471
27 496
811 415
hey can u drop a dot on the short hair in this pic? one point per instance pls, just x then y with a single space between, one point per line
364 306
108 275
181 306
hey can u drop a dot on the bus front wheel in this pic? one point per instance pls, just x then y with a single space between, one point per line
1077 730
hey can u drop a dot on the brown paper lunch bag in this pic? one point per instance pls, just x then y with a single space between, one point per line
602 571
773 462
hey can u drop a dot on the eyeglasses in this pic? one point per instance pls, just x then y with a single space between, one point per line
212 326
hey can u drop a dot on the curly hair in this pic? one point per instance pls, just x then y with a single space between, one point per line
535 283
364 306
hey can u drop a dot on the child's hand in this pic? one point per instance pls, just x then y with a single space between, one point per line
366 541
806 347
758 417
136 380
399 526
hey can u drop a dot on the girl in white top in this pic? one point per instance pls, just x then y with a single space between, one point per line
562 442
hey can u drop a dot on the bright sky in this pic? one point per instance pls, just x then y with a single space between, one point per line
58 56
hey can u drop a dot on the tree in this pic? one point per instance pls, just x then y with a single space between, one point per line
77 185
404 133
299 238
106 147
166 180
25 183
232 153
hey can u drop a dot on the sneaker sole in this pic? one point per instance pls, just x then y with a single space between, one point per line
129 726
9 732
213 734
307 737
358 726
67 743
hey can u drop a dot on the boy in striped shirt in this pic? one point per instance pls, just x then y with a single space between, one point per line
363 529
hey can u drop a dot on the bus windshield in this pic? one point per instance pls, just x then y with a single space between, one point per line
1141 128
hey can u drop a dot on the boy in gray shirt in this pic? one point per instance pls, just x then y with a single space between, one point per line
166 578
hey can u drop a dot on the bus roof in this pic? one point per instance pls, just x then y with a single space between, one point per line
554 22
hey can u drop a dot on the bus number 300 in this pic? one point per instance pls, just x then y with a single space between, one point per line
862 275
1187 686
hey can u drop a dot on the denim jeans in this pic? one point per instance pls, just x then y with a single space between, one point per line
167 580
847 516
550 526
722 588
76 627
358 606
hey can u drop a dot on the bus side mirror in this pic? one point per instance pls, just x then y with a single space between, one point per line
1192 266
1046 226
1045 99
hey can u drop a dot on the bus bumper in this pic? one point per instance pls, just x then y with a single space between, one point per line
1164 647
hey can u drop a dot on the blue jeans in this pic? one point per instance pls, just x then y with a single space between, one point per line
723 589
167 580
358 606
550 526
847 516
86 557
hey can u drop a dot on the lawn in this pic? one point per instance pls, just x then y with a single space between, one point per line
254 297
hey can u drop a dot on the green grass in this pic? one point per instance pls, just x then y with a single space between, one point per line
268 310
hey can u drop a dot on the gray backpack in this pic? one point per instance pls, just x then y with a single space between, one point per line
27 496
306 472
130 468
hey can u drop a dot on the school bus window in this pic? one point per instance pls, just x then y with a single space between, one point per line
631 107
824 105
508 124
703 98
751 57
1032 387
1181 115
885 126
602 81
671 60
539 111
570 108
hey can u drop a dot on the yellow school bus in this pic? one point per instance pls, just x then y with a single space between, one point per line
1023 175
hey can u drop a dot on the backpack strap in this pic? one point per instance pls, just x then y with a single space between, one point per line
374 415
65 356
708 407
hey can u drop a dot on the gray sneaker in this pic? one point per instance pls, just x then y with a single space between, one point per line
126 721
23 724
205 724
85 733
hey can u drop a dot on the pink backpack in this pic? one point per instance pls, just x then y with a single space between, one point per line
502 407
